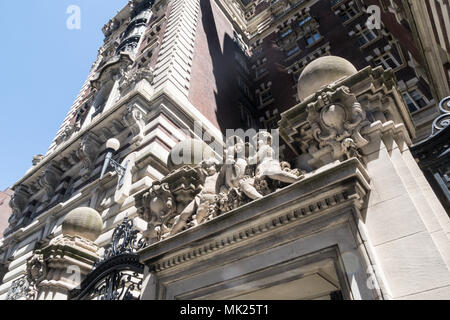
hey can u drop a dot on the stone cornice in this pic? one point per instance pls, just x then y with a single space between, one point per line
328 189
182 106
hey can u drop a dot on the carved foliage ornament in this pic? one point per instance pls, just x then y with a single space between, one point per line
336 119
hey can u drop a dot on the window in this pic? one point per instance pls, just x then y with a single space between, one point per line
304 21
350 13
260 71
244 87
266 96
366 36
286 33
293 51
415 100
314 37
387 61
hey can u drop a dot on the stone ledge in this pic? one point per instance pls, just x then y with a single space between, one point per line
320 191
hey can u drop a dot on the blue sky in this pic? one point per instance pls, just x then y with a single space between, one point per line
43 66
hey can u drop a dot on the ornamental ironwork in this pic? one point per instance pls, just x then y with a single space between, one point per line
433 155
124 240
118 278
443 121
18 289
119 275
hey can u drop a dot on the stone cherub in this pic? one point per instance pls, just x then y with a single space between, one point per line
200 208
267 164
233 175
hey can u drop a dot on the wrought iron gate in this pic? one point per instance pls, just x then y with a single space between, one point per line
119 276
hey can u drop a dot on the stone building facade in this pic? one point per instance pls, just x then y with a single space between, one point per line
346 213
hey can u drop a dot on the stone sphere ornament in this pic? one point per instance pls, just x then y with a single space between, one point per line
322 72
84 223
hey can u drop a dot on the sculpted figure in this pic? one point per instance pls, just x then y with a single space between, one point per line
202 203
160 204
267 165
233 174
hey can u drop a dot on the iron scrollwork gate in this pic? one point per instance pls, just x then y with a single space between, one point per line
119 275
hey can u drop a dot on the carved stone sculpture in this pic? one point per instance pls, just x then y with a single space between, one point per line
194 194
18 204
36 273
88 152
234 174
18 289
50 179
268 165
158 210
204 203
37 158
131 77
336 119
133 117
67 132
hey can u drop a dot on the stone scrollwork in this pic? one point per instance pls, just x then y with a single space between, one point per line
50 179
133 117
18 204
87 152
336 119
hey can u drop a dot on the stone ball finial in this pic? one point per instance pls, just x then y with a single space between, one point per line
83 222
322 72
189 152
